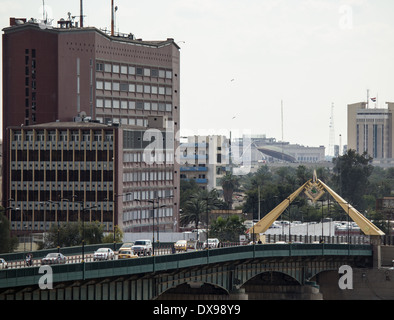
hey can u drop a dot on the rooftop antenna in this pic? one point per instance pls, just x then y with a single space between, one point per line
332 133
281 108
112 17
81 13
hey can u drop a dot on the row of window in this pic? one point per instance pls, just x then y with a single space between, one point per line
143 176
139 214
133 70
132 87
133 105
62 155
62 136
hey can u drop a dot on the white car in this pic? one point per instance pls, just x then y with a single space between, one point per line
3 264
142 247
103 254
212 243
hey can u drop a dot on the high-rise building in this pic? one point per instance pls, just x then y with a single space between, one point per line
371 130
63 74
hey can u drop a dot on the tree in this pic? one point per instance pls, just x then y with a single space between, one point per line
227 229
229 183
7 243
196 208
351 173
110 236
71 234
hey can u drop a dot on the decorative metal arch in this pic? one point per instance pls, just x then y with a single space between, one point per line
314 189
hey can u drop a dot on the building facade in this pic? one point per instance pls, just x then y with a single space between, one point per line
63 75
205 159
371 130
68 172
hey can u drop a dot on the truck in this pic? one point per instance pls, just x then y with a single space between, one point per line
142 247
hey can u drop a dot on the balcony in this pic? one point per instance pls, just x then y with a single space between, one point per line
194 169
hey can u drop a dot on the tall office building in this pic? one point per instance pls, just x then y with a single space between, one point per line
371 130
68 74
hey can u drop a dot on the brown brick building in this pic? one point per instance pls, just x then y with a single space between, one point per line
72 83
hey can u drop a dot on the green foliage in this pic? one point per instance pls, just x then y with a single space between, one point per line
227 229
199 203
7 243
71 234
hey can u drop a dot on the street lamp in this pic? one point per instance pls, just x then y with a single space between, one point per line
83 230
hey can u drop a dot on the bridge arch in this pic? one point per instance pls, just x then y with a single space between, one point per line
195 290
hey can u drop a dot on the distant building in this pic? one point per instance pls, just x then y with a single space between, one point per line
274 151
205 160
371 130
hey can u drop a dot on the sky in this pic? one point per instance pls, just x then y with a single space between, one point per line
273 67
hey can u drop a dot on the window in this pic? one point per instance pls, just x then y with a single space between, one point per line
161 90
131 70
115 86
139 88
115 68
146 89
107 67
124 87
99 67
123 104
108 103
99 103
161 74
107 85
146 105
131 104
168 91
123 69
99 85
147 72
131 87
154 73
115 104
154 89
169 74
140 71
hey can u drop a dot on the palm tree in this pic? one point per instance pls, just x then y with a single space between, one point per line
229 184
198 205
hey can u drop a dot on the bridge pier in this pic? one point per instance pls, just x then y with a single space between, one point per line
238 294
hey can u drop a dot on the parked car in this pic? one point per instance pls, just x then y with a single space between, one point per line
180 245
126 253
212 243
103 254
54 258
142 247
3 264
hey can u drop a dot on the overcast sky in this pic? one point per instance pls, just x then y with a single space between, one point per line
241 58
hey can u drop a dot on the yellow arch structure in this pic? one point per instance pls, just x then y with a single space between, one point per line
314 189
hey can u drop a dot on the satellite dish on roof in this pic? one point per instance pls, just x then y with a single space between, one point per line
82 114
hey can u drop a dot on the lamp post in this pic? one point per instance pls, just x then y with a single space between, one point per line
83 229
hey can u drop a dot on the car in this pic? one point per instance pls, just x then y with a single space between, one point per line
3 264
54 258
142 247
180 245
126 245
126 253
212 243
103 254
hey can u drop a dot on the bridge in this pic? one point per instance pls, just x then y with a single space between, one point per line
225 273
